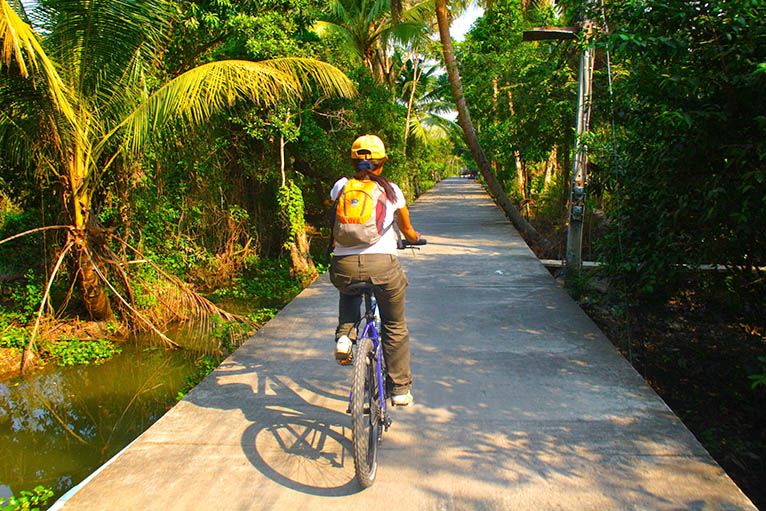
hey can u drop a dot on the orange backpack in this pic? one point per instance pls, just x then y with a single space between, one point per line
360 212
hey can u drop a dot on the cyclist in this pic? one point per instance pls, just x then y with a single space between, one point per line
376 263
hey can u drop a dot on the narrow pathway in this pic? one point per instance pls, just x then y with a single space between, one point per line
521 403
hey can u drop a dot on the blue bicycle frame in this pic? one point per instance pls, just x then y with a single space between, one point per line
371 332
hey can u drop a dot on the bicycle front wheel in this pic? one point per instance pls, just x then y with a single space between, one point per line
365 413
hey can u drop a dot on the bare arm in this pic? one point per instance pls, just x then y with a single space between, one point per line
403 221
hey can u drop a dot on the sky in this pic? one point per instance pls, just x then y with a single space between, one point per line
463 24
458 29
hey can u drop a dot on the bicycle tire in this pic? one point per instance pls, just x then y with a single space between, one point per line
365 427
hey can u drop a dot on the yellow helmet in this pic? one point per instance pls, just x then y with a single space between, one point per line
368 147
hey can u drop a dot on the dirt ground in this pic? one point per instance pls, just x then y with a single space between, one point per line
698 359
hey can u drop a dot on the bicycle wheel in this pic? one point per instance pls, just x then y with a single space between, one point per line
365 413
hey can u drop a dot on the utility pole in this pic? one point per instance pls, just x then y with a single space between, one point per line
580 160
579 180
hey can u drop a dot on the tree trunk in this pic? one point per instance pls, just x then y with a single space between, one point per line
93 294
415 78
300 258
94 297
292 212
494 162
521 184
464 119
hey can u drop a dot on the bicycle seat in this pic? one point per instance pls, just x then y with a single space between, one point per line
357 288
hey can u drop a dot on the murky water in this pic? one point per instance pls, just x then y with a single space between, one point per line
59 425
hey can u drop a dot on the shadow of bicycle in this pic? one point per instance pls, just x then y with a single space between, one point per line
298 438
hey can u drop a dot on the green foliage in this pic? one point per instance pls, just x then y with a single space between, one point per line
290 200
202 367
20 308
263 315
523 102
690 106
27 297
11 334
74 351
256 30
28 500
16 255
523 93
228 334
263 281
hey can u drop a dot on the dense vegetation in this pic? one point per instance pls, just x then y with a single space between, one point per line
166 173
222 182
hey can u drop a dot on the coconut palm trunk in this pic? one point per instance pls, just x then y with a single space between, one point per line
94 296
415 77
464 119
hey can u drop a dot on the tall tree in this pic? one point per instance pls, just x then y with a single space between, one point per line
368 31
464 119
420 89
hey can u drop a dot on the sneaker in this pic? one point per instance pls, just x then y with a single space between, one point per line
343 350
402 399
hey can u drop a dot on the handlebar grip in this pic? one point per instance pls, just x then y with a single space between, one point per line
402 244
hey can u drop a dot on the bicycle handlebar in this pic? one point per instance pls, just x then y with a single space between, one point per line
402 244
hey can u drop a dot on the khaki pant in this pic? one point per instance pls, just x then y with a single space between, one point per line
389 284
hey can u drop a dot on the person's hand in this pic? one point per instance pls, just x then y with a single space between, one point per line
412 237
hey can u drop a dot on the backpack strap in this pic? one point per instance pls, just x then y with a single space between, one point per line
385 230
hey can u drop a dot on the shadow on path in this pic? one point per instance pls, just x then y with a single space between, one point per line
299 445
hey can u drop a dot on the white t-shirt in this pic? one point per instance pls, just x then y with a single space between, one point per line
387 243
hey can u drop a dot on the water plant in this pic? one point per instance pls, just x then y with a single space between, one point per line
28 500
73 351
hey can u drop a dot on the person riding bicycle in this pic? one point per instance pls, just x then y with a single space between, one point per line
376 263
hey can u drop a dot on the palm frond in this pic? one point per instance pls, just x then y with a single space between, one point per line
196 94
440 126
379 9
98 39
30 126
315 75
336 9
406 32
20 44
328 28
420 12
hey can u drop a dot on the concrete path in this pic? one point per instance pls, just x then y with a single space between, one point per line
521 403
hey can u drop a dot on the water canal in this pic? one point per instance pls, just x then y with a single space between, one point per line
60 424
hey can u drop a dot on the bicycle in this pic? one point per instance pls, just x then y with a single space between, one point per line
367 401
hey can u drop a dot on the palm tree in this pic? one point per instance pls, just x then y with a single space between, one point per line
420 88
76 102
367 30
464 119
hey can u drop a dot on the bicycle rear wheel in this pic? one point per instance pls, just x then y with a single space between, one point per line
365 413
